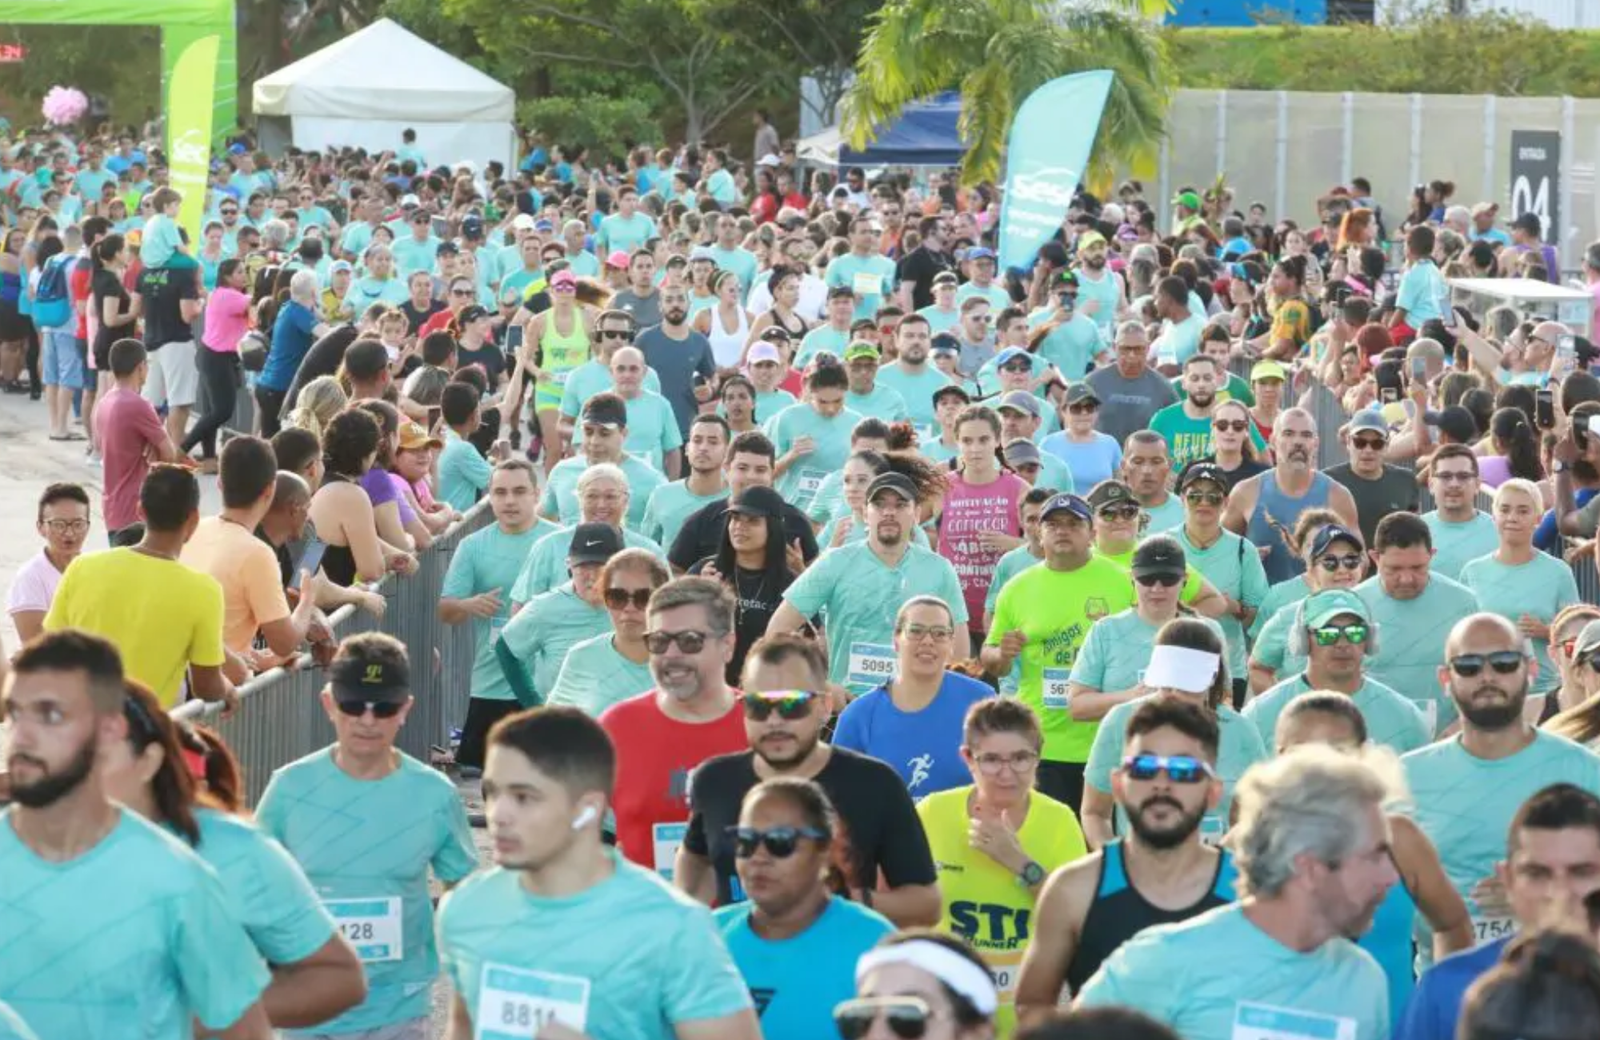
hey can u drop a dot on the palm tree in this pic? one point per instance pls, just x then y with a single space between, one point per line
997 52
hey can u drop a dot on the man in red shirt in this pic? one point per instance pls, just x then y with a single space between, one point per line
692 714
132 436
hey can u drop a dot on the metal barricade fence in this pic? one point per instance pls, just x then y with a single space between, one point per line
281 718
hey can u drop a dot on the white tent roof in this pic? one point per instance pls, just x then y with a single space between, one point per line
384 72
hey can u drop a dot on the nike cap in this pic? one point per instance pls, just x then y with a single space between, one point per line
594 543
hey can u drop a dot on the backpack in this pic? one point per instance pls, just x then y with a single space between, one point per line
52 301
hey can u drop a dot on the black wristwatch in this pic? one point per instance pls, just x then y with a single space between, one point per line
1031 874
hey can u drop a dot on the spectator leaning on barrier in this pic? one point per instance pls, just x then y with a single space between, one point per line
63 522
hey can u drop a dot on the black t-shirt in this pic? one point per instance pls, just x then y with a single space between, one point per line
323 359
1247 469
1394 492
105 285
874 807
489 356
919 266
701 534
756 595
164 291
418 317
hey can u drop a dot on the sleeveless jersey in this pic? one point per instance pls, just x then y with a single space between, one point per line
1275 514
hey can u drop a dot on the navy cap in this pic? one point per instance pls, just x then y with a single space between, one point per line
1068 504
1334 533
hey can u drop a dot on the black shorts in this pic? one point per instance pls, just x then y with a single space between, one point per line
1062 781
482 714
14 325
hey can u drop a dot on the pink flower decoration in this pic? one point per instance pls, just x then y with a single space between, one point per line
64 106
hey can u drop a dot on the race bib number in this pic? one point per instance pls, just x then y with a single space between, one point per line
666 837
1056 695
866 285
1005 976
1264 1022
1488 929
372 926
514 1004
1212 828
871 664
811 481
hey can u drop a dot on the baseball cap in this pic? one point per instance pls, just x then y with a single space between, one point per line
1195 472
339 265
563 277
617 259
1267 370
1022 401
594 543
702 253
409 202
471 313
1186 199
980 253
1159 555
1529 222
1110 493
472 227
763 352
1022 452
524 222
1369 421
1334 533
414 437
1011 354
1079 392
860 349
1485 207
1089 239
1455 421
354 679
1066 277
945 343
776 334
758 500
949 390
899 483
1066 504
1328 604
1588 639
608 411
544 225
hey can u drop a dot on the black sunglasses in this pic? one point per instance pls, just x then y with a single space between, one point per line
1349 561
616 599
622 334
781 842
1117 513
1504 662
1166 581
906 1017
379 709
789 704
689 641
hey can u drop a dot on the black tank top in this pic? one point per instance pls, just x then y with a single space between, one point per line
338 561
1119 912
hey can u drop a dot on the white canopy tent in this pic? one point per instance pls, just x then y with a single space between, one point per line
370 86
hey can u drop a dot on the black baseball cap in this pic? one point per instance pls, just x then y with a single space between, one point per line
1195 472
594 543
951 390
1334 533
899 483
354 679
606 410
1078 392
1159 555
758 500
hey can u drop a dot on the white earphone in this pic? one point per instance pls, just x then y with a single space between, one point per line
583 818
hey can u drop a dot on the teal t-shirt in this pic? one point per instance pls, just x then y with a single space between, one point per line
1272 645
1189 439
882 403
1278 596
13 1027
463 472
269 892
1166 516
560 498
916 389
1454 545
1539 588
998 298
1261 990
411 255
859 595
870 277
1393 720
547 563
1411 638
770 403
1054 473
669 505
940 320
828 503
485 560
858 531
1072 346
595 676
1180 341
652 429
830 449
367 846
592 378
135 930
1465 805
367 290
741 262
1232 564
824 339
553 622
1241 748
624 233
1117 650
649 959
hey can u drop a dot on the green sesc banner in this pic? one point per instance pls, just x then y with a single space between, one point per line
190 87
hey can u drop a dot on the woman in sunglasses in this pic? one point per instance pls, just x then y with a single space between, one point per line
1189 660
795 937
1232 450
157 772
920 985
1335 559
1575 679
600 671
1578 656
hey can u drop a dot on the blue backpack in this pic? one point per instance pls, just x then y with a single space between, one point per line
52 301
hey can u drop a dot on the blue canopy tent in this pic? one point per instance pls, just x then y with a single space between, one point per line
923 135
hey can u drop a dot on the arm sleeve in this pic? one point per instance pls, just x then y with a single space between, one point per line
1089 667
812 589
296 924
476 469
457 855
517 675
458 580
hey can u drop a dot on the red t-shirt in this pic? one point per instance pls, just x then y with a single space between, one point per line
794 382
655 755
130 432
78 285
967 511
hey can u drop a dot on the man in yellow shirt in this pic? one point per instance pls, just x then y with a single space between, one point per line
163 617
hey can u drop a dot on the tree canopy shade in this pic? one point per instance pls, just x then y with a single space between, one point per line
997 52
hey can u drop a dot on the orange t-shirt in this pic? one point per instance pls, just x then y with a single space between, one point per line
247 570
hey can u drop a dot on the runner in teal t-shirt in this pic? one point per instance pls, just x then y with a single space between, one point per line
539 636
595 675
1227 560
868 274
812 439
547 563
1413 623
1455 544
560 498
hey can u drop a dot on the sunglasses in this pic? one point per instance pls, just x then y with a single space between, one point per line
1504 662
689 641
1368 443
1082 408
1236 425
1349 561
780 842
1118 513
1022 366
616 599
379 709
1180 769
466 293
789 704
564 288
618 334
906 1017
1205 498
230 213
1354 634
1165 581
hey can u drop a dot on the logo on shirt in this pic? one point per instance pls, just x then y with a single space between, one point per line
762 996
921 769
993 926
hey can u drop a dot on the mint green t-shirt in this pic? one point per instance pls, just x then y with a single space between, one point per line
1117 650
824 339
651 959
669 506
998 298
828 503
652 429
830 449
771 402
595 675
1278 596
542 632
1272 645
14 1028
858 531
917 390
485 560
624 233
1411 638
592 378
137 932
547 563
870 277
1539 588
1166 516
561 488
1232 564
858 595
367 847
1072 346
1454 545
882 403
269 892
1392 720
940 320
463 473
1260 990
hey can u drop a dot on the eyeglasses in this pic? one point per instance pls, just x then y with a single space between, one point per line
1455 478
789 704
1017 762
780 842
1369 443
1504 662
616 599
906 1017
1180 769
1117 513
618 334
689 641
379 709
1205 498
63 526
468 293
1165 581
1354 634
1224 425
1349 561
937 633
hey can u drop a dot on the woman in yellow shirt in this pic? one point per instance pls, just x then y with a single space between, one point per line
994 842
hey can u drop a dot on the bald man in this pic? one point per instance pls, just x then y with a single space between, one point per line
1130 391
653 433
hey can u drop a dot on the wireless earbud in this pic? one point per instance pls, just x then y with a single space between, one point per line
584 818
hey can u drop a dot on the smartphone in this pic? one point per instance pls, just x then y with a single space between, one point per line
514 338
1389 394
1419 368
433 416
1448 318
1567 348
311 559
1544 409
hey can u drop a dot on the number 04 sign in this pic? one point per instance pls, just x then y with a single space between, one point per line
1536 179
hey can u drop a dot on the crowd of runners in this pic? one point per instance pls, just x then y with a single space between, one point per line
1180 637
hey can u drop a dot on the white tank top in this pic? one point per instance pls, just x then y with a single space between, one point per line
727 346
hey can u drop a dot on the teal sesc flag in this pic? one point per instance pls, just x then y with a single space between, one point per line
1051 138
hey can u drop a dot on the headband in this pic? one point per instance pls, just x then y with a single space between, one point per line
943 963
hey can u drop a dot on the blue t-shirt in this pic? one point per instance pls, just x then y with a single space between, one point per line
1435 1006
797 981
292 332
630 958
136 930
924 747
1099 459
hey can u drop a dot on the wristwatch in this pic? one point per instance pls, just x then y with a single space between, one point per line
1031 874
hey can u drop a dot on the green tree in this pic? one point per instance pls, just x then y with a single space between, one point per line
997 52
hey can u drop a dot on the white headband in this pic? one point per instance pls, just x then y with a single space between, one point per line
944 964
1181 668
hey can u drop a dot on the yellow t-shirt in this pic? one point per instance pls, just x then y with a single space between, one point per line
984 902
247 569
1292 321
161 615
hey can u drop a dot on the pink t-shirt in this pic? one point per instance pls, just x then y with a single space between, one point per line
34 586
969 510
130 432
227 320
1493 470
